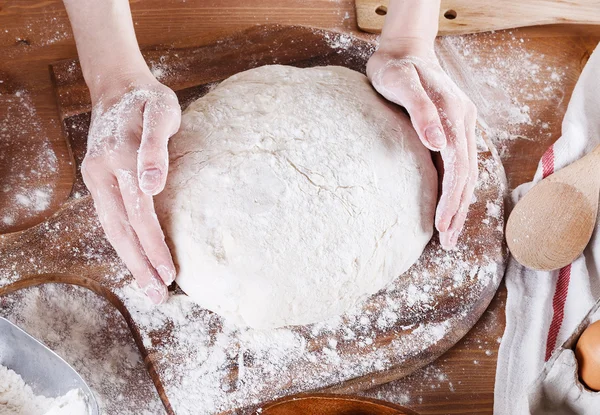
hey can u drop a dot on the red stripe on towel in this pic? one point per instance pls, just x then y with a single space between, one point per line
558 308
548 162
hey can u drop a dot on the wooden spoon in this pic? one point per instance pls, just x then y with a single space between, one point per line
553 223
329 404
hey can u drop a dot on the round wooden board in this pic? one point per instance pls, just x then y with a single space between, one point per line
333 404
200 364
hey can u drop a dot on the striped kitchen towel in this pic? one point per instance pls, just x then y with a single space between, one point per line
544 308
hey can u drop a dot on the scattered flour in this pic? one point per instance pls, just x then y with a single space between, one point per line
17 398
448 375
505 79
28 177
342 42
37 199
206 366
36 31
92 336
289 360
160 68
339 40
493 210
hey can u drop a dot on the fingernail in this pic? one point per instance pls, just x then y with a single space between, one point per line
150 180
155 295
440 224
435 137
454 237
166 274
445 243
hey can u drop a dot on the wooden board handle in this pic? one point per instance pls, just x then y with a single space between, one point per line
468 16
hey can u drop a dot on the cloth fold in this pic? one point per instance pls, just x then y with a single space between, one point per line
544 308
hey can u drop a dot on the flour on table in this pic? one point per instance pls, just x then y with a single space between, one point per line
28 173
506 80
17 398
293 194
206 366
92 336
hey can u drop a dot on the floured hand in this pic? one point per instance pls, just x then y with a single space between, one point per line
408 73
125 165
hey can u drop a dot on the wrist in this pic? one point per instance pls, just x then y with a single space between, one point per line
407 46
116 79
115 72
410 24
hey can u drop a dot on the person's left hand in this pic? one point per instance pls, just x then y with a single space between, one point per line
409 74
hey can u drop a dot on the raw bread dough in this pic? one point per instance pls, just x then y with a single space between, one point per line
293 194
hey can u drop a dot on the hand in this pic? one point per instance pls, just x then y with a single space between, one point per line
125 165
408 73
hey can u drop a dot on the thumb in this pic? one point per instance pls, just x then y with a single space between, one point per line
404 87
160 121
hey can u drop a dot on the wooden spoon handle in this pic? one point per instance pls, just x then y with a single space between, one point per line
467 16
584 172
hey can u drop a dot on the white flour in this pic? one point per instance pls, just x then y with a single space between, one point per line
28 178
206 366
506 80
72 403
38 32
293 194
111 122
204 373
17 398
91 335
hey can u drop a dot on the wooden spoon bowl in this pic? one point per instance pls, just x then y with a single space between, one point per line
553 223
329 404
551 226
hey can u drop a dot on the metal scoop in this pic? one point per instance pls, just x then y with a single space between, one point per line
40 367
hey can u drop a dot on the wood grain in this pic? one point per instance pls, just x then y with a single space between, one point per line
459 382
469 277
466 16
325 404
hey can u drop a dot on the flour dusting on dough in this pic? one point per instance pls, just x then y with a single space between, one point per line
293 194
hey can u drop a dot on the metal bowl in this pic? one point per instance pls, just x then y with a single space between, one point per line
43 370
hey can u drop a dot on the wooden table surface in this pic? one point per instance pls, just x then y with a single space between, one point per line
36 33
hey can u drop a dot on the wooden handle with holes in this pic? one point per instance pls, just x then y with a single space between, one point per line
468 16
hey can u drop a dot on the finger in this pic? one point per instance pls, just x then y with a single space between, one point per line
402 86
456 171
141 214
458 221
113 218
162 117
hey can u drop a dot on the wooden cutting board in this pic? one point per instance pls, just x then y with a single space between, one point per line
467 16
198 363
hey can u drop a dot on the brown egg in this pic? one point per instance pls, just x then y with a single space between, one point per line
587 352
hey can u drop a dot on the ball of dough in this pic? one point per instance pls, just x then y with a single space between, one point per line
293 194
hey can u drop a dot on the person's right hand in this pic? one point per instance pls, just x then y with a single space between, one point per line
125 165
